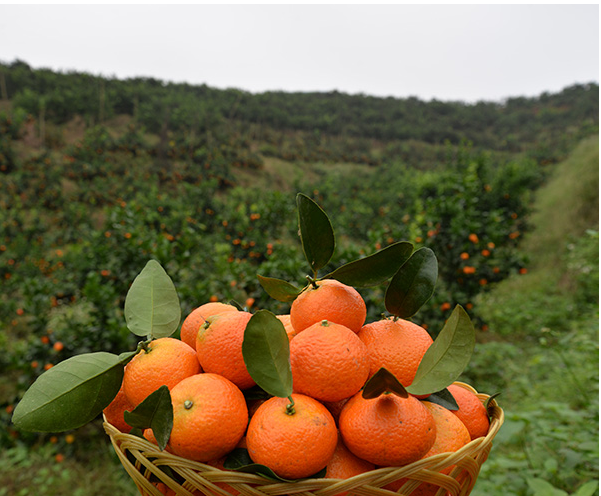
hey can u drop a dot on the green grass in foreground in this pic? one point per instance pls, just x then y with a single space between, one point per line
47 470
542 353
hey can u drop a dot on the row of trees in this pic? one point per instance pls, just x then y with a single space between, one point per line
510 125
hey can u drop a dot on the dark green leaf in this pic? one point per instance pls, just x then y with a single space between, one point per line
234 303
447 357
156 413
381 382
487 404
316 233
256 393
443 398
413 284
152 305
374 269
266 353
240 461
278 289
70 394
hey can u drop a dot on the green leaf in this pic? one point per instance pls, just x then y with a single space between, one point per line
381 382
374 269
587 489
70 394
443 398
447 357
240 461
266 353
541 487
316 233
413 284
278 289
156 413
152 305
487 404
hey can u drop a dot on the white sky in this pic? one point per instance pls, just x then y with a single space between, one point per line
448 52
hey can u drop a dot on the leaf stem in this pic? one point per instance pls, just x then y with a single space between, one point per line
312 280
290 407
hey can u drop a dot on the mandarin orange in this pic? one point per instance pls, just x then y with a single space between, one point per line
219 347
115 410
451 435
398 345
198 316
471 411
209 417
285 319
166 361
330 300
388 430
329 362
294 445
344 464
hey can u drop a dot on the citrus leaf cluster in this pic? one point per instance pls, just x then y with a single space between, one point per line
412 274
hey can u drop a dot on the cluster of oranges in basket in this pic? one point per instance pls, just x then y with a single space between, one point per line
328 426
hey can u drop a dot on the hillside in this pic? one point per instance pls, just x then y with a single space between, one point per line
99 175
185 120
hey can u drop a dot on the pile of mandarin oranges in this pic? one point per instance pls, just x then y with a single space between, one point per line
330 425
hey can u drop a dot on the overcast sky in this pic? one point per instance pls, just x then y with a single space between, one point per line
448 52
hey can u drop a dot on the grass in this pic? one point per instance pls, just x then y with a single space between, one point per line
542 352
88 467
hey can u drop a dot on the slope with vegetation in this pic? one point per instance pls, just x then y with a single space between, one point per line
98 175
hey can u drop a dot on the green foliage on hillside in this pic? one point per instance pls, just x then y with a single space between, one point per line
97 176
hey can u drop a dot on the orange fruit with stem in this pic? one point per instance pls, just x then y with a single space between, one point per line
209 417
219 347
397 345
387 430
198 316
165 361
471 411
344 464
294 440
330 300
328 361
451 435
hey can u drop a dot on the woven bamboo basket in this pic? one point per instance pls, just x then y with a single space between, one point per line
148 467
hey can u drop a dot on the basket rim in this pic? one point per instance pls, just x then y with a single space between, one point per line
125 441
